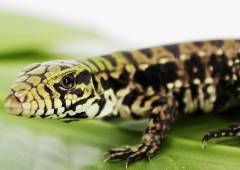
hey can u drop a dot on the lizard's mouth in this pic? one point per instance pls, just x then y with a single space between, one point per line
13 105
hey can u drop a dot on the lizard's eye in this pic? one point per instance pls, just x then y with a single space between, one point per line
68 81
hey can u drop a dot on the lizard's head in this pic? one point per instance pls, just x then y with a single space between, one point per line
56 89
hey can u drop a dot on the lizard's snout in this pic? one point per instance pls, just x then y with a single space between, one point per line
13 105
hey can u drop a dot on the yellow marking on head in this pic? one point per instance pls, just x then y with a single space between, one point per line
41 90
69 97
35 94
54 68
60 111
70 112
34 105
92 110
68 102
39 112
48 103
34 80
74 100
26 106
21 95
30 67
26 113
41 104
62 115
53 116
49 111
39 70
21 78
57 103
29 96
21 86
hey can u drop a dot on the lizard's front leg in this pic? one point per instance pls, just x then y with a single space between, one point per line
162 111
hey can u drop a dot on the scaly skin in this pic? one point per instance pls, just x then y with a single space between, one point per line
156 83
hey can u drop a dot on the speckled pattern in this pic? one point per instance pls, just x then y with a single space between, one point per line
157 83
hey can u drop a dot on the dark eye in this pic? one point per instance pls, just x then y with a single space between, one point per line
68 81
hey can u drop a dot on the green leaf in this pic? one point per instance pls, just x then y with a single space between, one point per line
27 143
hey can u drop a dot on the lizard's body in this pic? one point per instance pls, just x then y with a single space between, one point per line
154 82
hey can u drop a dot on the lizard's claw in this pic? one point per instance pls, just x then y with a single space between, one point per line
129 154
119 153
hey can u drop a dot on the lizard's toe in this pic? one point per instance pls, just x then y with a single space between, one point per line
131 155
119 153
135 156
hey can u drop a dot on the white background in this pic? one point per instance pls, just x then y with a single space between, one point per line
142 22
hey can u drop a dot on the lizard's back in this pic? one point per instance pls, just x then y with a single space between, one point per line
198 74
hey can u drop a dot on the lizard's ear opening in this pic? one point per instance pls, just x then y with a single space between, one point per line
84 77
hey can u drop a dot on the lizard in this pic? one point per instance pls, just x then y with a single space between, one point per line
157 83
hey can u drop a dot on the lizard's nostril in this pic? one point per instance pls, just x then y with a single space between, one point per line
13 105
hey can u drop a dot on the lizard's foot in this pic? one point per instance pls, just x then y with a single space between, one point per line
162 114
131 154
232 130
